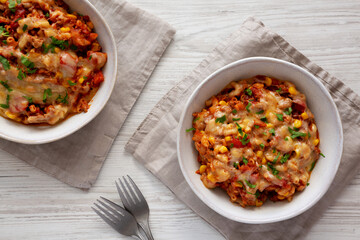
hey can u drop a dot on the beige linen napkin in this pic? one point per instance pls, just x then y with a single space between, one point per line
154 143
141 39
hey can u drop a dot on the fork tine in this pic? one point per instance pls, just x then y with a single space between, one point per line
137 190
122 196
107 220
126 192
115 214
135 198
119 208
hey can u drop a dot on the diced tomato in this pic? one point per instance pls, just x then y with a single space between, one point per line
98 78
298 106
238 144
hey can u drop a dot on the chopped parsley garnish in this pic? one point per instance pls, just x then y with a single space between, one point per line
276 158
47 14
244 141
25 27
231 145
5 42
234 111
71 83
6 85
5 63
262 145
47 93
307 184
90 57
284 158
12 5
62 99
295 134
264 133
28 98
309 135
288 111
273 169
27 63
279 117
236 119
322 155
18 1
21 75
278 91
260 112
239 129
249 184
286 139
272 131
245 161
274 150
4 32
7 102
248 106
248 91
190 129
264 119
196 119
257 126
62 44
312 166
236 164
220 119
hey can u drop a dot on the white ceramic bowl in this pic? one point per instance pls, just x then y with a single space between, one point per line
327 119
28 134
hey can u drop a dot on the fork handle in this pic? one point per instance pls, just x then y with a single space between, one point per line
140 236
146 228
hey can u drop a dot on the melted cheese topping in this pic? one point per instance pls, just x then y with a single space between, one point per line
50 61
256 139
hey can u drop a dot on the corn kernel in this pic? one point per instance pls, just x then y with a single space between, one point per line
58 75
3 1
203 132
281 197
304 115
286 194
259 153
247 130
10 115
269 125
223 103
292 91
81 80
268 81
65 29
263 161
57 50
316 142
212 140
71 16
223 149
211 177
297 151
237 184
297 123
202 169
228 138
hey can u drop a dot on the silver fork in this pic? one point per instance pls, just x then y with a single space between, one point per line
135 203
118 218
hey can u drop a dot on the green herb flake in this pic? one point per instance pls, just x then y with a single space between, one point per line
257 126
18 1
234 111
312 166
274 150
21 75
272 131
5 42
288 111
248 92
276 158
244 141
309 135
262 145
12 5
264 119
273 169
220 119
62 44
286 139
190 129
29 99
242 185
260 112
5 63
25 27
295 134
47 14
249 184
4 32
61 99
307 184
231 145
7 102
90 57
71 83
6 85
322 155
284 158
196 119
47 93
248 106
236 119
236 164
279 117
245 161
278 91
27 63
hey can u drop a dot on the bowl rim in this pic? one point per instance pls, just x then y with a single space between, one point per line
97 111
202 197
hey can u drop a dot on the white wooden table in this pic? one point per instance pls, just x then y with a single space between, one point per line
36 206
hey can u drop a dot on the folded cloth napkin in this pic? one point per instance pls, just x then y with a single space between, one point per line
154 143
141 39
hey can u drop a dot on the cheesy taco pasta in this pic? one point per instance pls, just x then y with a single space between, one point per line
256 139
50 61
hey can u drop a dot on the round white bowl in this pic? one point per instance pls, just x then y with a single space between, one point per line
327 119
32 134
